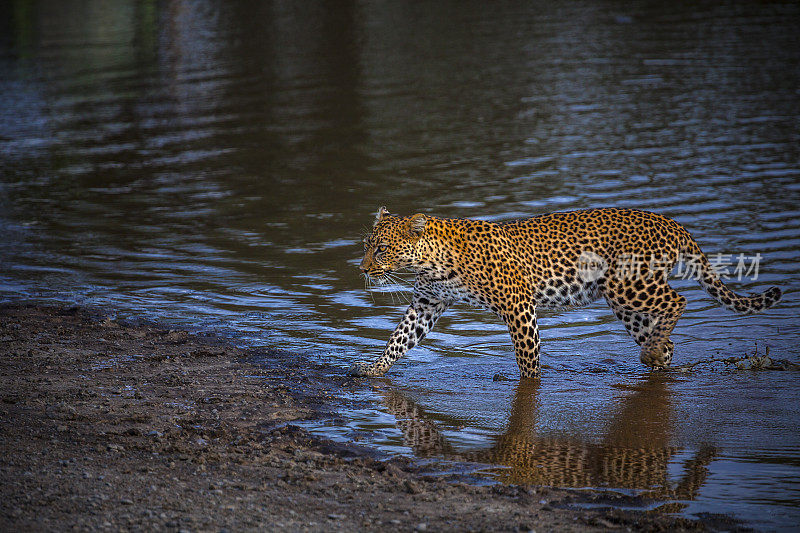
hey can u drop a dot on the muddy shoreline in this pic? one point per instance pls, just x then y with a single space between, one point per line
109 425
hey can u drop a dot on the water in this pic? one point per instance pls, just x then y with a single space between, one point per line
215 165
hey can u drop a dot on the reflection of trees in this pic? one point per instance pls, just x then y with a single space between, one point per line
181 112
634 454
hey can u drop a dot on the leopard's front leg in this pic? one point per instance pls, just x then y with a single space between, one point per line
417 321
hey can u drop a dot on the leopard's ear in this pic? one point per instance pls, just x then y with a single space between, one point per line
416 224
382 212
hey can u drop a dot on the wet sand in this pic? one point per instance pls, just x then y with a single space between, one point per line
116 426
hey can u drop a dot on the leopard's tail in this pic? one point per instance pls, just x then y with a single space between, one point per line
712 284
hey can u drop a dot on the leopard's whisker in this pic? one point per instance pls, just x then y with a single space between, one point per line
400 281
397 278
400 295
368 288
396 293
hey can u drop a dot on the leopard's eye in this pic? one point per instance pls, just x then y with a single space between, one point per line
380 248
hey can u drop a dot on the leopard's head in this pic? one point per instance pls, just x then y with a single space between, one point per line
391 245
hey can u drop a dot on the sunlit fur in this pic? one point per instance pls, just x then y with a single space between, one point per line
516 267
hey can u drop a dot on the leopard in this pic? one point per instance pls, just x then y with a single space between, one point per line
555 261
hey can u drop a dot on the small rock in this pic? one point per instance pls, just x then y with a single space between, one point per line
422 526
126 501
334 516
605 523
411 487
499 377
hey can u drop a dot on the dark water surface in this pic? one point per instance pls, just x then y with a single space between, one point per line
215 164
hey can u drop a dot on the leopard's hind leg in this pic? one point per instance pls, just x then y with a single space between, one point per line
649 308
521 322
638 325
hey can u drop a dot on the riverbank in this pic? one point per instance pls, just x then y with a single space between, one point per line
116 426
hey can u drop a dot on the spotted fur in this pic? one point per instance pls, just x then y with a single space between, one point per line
553 261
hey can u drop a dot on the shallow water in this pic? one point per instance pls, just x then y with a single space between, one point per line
216 166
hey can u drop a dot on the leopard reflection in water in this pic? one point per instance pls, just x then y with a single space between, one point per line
634 452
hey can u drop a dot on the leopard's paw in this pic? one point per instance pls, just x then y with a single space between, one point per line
362 369
659 357
359 369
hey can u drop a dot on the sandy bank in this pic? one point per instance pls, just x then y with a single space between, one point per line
134 427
